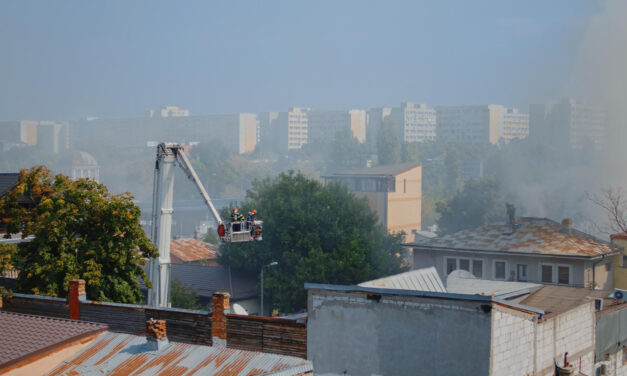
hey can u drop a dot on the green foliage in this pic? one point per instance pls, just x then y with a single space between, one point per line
81 231
182 296
477 204
346 153
316 234
388 145
410 152
211 237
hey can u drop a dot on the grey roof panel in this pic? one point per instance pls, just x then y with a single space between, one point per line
426 279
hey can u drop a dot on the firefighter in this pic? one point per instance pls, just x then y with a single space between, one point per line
250 221
236 215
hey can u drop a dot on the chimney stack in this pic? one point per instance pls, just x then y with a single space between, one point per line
157 336
197 234
220 308
567 225
75 296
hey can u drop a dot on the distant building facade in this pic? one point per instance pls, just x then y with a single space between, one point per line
268 130
84 165
415 122
293 128
376 116
481 124
167 111
393 192
572 122
53 136
324 125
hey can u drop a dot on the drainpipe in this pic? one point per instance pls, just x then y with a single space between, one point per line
594 264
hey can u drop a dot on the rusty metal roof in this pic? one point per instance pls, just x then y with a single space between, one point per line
125 354
23 336
426 279
540 236
556 299
188 250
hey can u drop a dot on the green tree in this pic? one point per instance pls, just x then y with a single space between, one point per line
477 204
316 234
346 152
211 236
410 152
80 231
388 145
453 166
183 296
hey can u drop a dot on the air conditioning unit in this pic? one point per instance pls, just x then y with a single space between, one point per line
618 294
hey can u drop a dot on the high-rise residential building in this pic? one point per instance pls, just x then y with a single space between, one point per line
324 125
53 136
480 123
572 122
167 111
19 131
515 125
376 116
415 122
267 131
237 132
292 128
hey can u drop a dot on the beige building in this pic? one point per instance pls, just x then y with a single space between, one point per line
19 131
394 192
481 123
415 122
167 111
324 125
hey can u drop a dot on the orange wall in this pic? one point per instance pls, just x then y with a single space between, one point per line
405 205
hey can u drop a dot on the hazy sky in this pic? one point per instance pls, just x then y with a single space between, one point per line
70 59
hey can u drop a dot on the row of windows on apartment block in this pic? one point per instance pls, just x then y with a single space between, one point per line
549 273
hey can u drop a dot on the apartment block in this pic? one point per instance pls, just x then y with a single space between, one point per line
293 128
571 122
167 111
324 125
267 132
515 125
415 122
480 124
19 131
376 116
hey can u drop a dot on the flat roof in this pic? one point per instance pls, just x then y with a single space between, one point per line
378 171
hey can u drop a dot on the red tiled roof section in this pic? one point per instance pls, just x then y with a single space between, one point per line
533 236
26 336
191 250
620 235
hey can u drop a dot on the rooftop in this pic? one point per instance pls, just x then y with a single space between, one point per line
426 279
621 236
28 336
115 353
205 280
188 250
378 171
7 181
556 299
540 236
463 282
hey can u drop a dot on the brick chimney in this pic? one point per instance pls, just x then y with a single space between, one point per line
567 225
220 307
75 296
156 334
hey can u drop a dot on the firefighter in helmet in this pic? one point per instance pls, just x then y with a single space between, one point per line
236 215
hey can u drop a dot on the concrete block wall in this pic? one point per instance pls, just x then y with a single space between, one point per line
615 364
513 342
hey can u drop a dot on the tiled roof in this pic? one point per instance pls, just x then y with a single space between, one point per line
26 336
125 354
426 279
556 299
188 250
7 181
532 236
388 170
621 236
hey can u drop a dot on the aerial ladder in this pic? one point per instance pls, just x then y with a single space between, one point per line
168 155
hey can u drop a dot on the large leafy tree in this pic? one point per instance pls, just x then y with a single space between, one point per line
80 231
477 204
316 234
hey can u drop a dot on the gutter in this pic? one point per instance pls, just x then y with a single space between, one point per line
504 252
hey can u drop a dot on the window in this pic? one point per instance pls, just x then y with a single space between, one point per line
451 265
522 272
547 273
499 269
464 264
563 275
477 268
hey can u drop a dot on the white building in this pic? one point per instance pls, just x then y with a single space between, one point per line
416 122
292 128
84 165
515 125
324 125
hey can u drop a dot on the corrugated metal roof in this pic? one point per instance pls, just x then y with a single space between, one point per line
426 279
556 299
125 354
188 250
23 336
463 282
533 236
7 181
388 170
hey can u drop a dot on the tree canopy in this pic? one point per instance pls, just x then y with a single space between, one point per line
316 234
80 231
475 205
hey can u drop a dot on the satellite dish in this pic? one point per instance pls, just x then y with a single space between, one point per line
239 310
618 295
